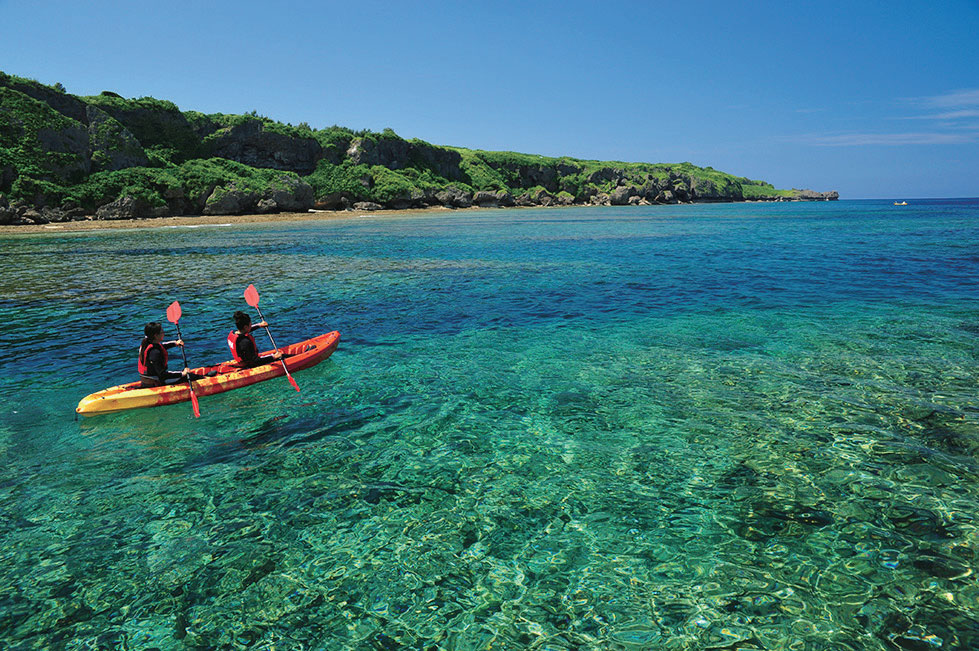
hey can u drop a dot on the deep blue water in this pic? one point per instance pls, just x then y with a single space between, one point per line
747 426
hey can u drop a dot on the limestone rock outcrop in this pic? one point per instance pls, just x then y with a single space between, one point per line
489 199
251 144
71 140
454 197
395 153
621 195
230 200
811 195
6 213
126 207
113 146
290 195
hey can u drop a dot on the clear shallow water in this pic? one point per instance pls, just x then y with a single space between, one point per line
729 426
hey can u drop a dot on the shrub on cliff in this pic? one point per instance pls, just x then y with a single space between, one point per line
39 141
184 188
480 175
426 179
228 121
154 122
345 178
389 185
198 177
761 190
37 191
146 184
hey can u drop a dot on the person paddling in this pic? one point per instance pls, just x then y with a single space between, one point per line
242 343
152 361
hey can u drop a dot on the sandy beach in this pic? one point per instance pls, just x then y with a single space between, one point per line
202 220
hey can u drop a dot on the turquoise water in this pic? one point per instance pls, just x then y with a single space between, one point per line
695 427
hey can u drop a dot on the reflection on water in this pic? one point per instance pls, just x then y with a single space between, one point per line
723 427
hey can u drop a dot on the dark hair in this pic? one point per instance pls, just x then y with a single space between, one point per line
241 321
152 329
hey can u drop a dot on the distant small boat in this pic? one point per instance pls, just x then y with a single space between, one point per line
901 203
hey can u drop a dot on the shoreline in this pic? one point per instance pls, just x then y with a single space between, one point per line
255 218
212 220
263 218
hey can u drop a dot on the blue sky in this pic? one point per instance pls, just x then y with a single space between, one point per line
871 99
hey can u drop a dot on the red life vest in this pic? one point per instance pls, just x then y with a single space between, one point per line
233 343
143 352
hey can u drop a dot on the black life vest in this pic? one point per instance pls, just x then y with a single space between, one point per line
143 352
233 343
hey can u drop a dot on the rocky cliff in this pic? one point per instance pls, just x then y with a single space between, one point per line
64 157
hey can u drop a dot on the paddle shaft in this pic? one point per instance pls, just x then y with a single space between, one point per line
276 347
182 351
190 385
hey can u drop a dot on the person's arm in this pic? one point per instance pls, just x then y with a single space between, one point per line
268 359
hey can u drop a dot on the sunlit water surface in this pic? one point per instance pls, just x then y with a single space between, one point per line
695 427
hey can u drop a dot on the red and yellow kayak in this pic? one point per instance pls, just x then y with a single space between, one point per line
229 375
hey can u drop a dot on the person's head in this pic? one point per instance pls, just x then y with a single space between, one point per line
242 321
153 331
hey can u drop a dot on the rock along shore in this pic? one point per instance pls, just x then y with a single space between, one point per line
127 210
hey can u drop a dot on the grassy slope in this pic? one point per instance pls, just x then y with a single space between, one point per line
41 146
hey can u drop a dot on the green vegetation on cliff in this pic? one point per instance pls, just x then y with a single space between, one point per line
121 157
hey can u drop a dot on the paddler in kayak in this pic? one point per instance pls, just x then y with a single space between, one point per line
242 343
152 361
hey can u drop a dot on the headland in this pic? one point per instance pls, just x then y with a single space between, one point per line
104 158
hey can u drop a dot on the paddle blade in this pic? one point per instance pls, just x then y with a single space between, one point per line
173 312
251 296
293 383
193 402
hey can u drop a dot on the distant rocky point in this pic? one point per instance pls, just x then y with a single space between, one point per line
67 158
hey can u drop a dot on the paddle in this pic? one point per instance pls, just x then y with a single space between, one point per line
173 315
251 297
